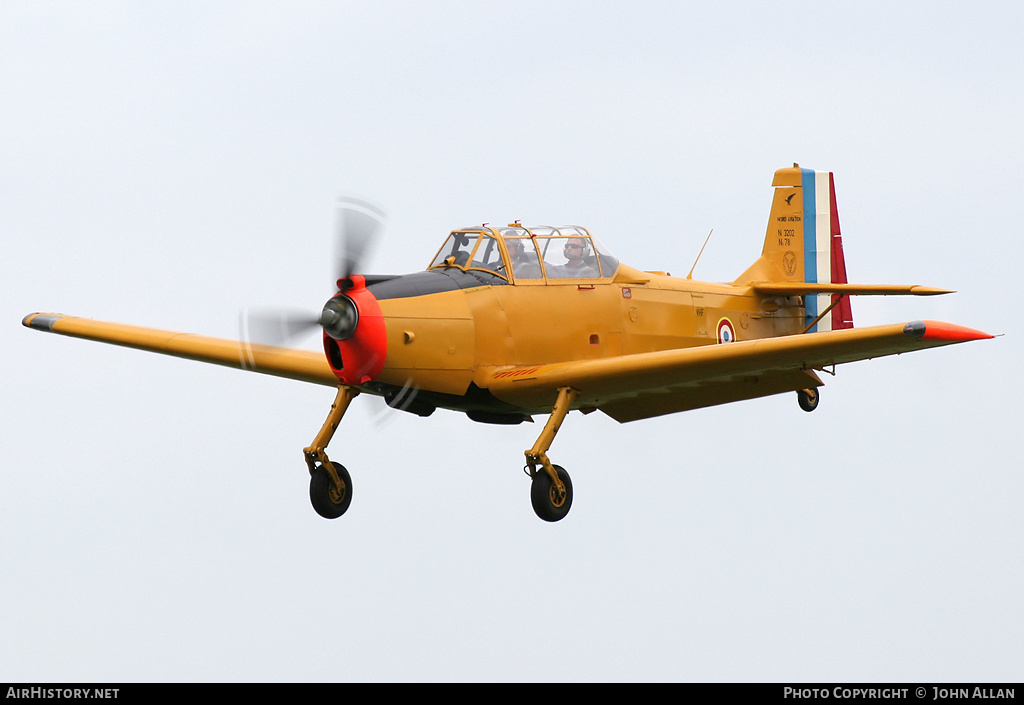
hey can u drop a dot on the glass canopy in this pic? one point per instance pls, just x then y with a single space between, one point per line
519 253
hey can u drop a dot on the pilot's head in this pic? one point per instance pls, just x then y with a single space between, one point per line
515 248
574 250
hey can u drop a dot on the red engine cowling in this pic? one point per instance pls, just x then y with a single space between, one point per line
359 358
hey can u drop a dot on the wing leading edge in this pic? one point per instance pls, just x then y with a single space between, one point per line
302 365
632 387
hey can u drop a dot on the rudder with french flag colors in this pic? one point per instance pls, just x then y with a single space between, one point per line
803 243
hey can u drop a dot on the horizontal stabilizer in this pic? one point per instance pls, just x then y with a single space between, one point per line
804 289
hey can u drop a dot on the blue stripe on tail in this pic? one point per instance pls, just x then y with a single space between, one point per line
810 245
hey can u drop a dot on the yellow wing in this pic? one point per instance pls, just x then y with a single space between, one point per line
640 386
302 365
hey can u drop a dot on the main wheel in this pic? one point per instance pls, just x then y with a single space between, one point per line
808 399
549 504
327 500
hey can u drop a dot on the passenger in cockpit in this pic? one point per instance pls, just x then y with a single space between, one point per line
515 251
524 264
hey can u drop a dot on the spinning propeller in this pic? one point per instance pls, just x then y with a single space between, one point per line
355 335
357 227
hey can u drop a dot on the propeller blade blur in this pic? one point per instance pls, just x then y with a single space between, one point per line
275 327
358 225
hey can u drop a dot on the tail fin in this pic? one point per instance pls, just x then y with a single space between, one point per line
803 243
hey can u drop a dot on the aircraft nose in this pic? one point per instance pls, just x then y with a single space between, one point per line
355 337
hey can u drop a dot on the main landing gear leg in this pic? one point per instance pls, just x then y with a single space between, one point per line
551 491
330 487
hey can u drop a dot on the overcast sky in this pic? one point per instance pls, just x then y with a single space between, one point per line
169 164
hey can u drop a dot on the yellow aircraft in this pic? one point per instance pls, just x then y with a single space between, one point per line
511 322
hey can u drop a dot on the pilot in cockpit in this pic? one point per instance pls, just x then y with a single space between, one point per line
575 250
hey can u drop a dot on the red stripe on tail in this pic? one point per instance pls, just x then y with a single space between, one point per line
842 314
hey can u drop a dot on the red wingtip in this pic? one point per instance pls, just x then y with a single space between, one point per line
950 332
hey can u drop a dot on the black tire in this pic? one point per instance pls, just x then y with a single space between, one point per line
546 503
321 494
808 399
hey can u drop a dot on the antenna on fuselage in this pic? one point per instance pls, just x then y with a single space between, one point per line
690 275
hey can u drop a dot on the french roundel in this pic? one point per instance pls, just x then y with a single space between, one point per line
726 333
